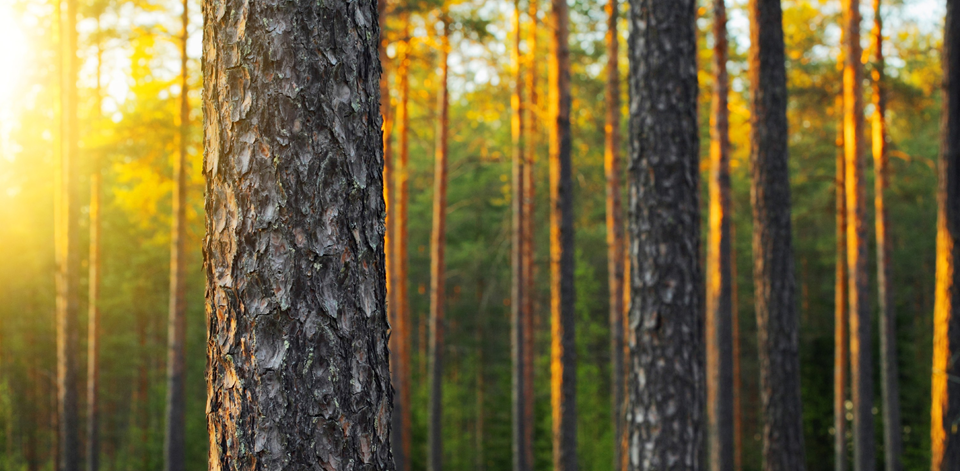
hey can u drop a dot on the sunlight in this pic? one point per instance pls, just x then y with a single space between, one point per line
14 52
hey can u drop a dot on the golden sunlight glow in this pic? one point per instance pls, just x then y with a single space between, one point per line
13 54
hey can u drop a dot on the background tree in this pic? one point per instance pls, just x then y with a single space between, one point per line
841 351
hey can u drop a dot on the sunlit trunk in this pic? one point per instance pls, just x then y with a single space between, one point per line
841 336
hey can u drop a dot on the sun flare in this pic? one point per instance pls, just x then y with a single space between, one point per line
14 52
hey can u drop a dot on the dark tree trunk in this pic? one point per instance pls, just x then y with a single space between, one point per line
438 240
946 334
175 434
861 353
892 439
773 266
297 374
719 314
611 164
563 354
67 245
737 392
665 405
841 337
530 141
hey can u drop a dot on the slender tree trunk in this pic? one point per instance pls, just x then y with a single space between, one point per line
841 335
438 240
945 411
93 301
861 359
67 253
719 314
175 434
892 439
530 140
520 426
611 164
400 335
666 385
563 354
735 334
773 264
297 374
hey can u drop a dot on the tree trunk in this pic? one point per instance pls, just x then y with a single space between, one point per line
892 439
438 240
773 265
297 372
719 314
388 200
530 140
861 358
93 301
400 332
175 434
665 406
67 245
614 218
563 354
944 438
520 426
841 335
735 335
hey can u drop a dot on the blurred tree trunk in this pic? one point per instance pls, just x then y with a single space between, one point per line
614 221
67 246
438 240
174 438
719 315
563 355
93 297
520 426
666 342
530 141
861 356
735 338
773 265
944 438
298 373
892 439
841 335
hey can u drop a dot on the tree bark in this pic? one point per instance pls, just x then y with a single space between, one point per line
93 294
945 440
438 240
665 406
773 264
841 335
563 354
614 219
175 434
861 358
297 372
719 313
892 439
67 253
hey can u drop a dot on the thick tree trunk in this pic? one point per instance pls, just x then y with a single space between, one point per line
93 294
518 344
665 406
175 434
841 335
297 372
773 265
67 245
719 313
563 354
861 355
400 331
944 438
892 438
438 240
611 166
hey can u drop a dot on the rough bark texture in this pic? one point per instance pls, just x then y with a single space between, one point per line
563 354
67 245
297 374
175 433
93 295
719 314
841 334
861 355
945 413
773 266
520 425
438 240
892 437
611 166
665 406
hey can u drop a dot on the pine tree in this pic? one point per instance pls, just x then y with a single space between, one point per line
841 337
297 353
94 279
